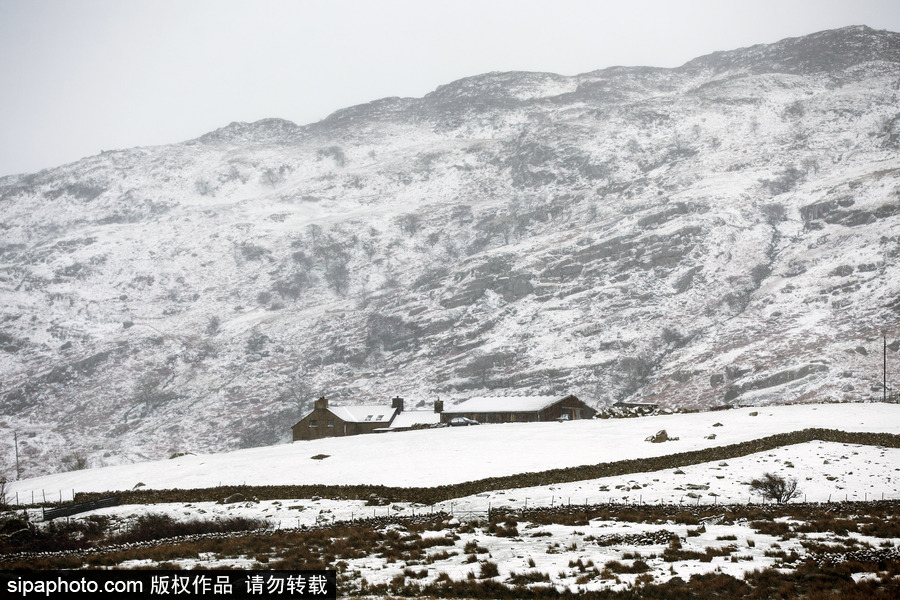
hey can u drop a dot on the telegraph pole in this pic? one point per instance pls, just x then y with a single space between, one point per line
884 370
16 443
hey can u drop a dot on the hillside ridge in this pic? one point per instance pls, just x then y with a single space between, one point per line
717 234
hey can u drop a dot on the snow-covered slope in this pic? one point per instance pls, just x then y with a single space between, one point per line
434 457
719 233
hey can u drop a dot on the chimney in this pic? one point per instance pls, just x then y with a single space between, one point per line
439 406
321 403
397 403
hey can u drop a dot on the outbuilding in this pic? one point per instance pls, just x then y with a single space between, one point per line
519 409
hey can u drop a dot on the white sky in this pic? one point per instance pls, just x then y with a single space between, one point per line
81 76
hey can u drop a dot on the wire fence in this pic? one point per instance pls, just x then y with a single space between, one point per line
466 511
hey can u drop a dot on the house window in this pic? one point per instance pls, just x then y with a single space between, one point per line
368 417
313 423
331 423
380 417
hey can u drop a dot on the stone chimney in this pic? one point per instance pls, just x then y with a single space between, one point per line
439 406
397 403
321 403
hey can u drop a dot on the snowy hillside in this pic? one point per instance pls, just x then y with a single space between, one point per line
723 233
435 457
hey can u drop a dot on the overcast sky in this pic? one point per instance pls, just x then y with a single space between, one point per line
81 76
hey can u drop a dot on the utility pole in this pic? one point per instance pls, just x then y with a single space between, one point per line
16 443
884 370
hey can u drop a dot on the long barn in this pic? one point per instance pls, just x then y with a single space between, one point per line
519 409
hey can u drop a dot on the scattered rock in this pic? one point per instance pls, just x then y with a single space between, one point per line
660 436
320 456
376 500
238 497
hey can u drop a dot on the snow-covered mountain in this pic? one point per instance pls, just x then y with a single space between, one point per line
724 232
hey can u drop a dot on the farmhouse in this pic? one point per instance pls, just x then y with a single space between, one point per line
339 421
519 409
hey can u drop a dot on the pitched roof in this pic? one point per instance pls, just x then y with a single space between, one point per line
489 404
415 417
364 414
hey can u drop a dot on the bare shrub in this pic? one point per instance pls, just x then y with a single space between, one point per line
74 462
488 569
777 488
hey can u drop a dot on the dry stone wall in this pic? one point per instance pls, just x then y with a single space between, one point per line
433 495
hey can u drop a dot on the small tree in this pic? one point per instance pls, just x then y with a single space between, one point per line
775 487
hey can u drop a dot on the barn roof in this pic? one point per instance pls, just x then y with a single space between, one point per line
364 414
490 404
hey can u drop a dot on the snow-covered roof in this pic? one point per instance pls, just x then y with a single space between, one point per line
487 404
415 417
364 414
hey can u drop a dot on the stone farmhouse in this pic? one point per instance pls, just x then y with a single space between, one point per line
338 421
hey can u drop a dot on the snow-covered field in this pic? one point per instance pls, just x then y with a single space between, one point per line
567 556
434 457
825 471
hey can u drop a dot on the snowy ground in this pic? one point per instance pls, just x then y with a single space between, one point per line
825 471
570 556
575 557
453 455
